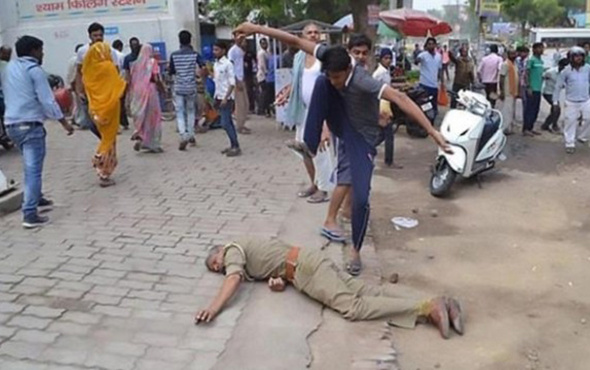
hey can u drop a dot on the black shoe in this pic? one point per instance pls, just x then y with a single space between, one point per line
35 222
45 205
183 145
192 141
233 152
224 151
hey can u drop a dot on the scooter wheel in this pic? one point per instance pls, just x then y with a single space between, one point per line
442 179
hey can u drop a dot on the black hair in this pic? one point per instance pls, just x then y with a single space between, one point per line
185 37
537 45
563 63
430 39
133 39
117 44
78 47
586 43
336 59
494 48
220 44
95 27
359 39
26 44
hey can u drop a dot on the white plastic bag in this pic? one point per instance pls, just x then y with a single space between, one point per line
325 163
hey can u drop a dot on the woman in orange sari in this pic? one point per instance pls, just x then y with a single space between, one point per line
104 88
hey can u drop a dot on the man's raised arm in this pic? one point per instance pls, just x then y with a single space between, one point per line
247 29
230 285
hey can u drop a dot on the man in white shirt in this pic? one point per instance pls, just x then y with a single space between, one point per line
225 83
383 74
236 56
261 57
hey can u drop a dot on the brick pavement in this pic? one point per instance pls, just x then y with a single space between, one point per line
114 280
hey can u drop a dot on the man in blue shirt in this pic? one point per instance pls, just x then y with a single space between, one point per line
29 102
183 65
430 70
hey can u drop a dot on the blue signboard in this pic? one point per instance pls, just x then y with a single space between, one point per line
110 31
159 50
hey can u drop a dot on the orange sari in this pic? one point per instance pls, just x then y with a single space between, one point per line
104 88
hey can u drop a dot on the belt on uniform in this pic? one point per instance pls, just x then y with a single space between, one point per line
31 124
291 264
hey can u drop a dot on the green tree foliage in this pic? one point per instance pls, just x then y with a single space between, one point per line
537 13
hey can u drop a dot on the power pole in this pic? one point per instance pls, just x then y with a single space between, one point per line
197 30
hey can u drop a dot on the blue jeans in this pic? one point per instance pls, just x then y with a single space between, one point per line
531 111
30 139
227 123
186 108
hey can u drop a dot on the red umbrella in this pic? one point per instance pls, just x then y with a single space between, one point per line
415 23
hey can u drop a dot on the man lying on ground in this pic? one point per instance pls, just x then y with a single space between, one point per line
315 275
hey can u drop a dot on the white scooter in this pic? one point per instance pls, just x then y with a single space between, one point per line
475 134
11 195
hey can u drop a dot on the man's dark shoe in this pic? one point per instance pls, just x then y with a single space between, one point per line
455 315
183 145
192 141
439 316
234 152
45 205
224 151
35 222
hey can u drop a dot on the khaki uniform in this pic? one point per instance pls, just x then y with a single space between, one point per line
321 279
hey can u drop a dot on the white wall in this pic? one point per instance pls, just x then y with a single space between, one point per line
60 36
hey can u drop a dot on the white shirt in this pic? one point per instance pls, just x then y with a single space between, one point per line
84 49
381 74
120 59
310 75
236 56
261 62
71 76
223 75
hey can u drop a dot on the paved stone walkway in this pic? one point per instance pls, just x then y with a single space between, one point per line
114 280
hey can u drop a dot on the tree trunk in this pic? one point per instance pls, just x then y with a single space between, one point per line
360 16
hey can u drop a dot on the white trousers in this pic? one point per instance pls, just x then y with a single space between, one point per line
508 106
577 122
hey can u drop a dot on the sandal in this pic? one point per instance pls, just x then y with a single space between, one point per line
137 145
307 192
332 235
354 267
321 198
105 183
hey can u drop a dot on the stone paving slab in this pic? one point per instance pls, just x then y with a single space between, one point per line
114 280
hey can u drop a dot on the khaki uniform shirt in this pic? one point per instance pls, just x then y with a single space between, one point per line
256 259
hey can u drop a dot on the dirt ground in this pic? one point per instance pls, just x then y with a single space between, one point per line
516 252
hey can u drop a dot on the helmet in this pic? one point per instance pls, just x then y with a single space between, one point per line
576 50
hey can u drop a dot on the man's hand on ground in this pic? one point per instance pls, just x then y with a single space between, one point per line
276 284
205 316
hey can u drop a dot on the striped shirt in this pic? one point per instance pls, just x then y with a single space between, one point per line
183 64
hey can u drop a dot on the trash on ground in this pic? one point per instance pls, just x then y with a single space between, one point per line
405 222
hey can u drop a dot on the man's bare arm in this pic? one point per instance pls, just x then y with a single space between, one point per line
227 291
414 113
247 29
78 82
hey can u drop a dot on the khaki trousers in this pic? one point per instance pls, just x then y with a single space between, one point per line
241 97
320 278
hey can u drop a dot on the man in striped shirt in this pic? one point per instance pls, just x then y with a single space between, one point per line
183 65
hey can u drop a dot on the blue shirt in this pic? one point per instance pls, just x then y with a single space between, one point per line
183 64
576 83
430 65
271 66
27 94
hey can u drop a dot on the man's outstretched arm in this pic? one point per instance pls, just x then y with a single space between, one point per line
413 111
247 29
227 291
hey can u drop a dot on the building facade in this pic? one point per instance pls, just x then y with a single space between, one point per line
62 24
